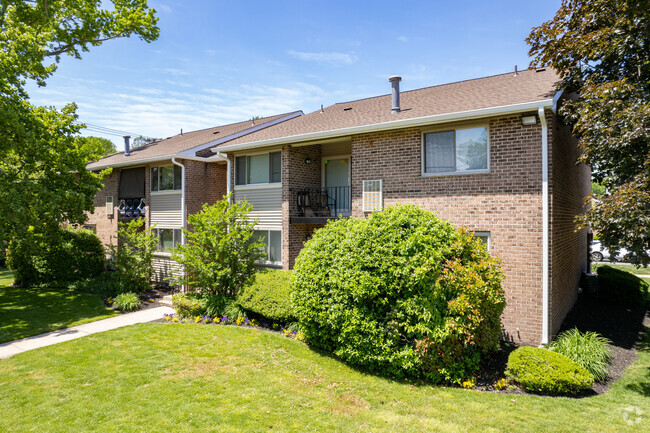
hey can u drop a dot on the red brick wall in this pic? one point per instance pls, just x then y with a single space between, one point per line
297 174
204 183
568 185
106 227
505 202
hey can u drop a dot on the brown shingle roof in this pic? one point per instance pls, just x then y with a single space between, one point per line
179 143
494 91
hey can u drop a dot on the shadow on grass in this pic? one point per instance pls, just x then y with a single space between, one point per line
32 311
642 386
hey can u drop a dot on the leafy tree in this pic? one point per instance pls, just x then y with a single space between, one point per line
43 178
133 255
141 141
220 253
601 50
94 148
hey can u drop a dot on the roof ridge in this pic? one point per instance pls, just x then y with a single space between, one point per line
439 85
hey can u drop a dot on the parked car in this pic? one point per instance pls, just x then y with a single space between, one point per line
599 253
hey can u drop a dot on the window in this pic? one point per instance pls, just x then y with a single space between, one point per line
168 238
264 168
272 244
167 178
484 237
457 151
91 227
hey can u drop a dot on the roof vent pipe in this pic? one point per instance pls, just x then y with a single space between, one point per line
127 146
394 80
516 73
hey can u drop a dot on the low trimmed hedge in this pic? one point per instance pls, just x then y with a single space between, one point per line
188 305
547 372
269 296
620 288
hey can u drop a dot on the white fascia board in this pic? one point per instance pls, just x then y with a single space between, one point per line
395 124
236 135
191 153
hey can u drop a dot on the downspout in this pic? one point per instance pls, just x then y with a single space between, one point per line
545 234
182 204
228 172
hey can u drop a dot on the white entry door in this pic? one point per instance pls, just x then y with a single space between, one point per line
336 172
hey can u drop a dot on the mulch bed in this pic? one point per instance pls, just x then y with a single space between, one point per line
625 328
150 299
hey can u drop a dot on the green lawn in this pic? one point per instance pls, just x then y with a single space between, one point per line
27 312
629 268
196 378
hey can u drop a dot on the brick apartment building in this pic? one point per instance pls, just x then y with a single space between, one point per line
489 154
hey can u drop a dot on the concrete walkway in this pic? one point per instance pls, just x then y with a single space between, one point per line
14 347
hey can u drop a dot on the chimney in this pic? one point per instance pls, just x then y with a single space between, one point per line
394 80
127 146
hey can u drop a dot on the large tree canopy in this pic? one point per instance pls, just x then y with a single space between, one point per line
601 50
43 179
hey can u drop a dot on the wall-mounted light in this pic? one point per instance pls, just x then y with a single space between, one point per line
307 160
528 120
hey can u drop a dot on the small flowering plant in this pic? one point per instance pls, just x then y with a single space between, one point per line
168 317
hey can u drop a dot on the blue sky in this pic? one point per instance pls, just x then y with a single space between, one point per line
220 62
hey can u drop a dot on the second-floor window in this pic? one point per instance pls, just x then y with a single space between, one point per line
456 151
166 178
263 168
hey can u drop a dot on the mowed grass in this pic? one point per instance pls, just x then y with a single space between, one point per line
628 268
196 378
31 311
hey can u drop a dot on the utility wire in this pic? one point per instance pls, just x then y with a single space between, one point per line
109 131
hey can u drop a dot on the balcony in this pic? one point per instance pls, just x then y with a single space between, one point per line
130 208
318 205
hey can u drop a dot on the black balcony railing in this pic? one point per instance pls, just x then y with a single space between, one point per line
322 203
132 207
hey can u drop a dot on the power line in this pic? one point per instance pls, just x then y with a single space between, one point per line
109 131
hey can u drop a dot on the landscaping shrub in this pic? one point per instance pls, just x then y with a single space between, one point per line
55 255
219 254
189 305
621 288
127 301
548 372
133 256
105 285
401 292
269 296
588 350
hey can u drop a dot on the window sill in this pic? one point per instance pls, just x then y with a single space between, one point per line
456 173
258 186
166 254
167 192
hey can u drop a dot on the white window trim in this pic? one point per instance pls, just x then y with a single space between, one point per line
267 262
423 134
164 191
167 192
247 185
162 252
274 185
487 235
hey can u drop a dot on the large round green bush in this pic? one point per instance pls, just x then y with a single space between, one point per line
53 255
547 372
401 292
268 295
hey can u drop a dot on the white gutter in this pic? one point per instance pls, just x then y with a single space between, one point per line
182 195
545 234
228 173
190 153
393 124
143 161
183 183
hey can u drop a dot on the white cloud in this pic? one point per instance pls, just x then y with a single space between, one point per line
164 8
402 38
329 58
